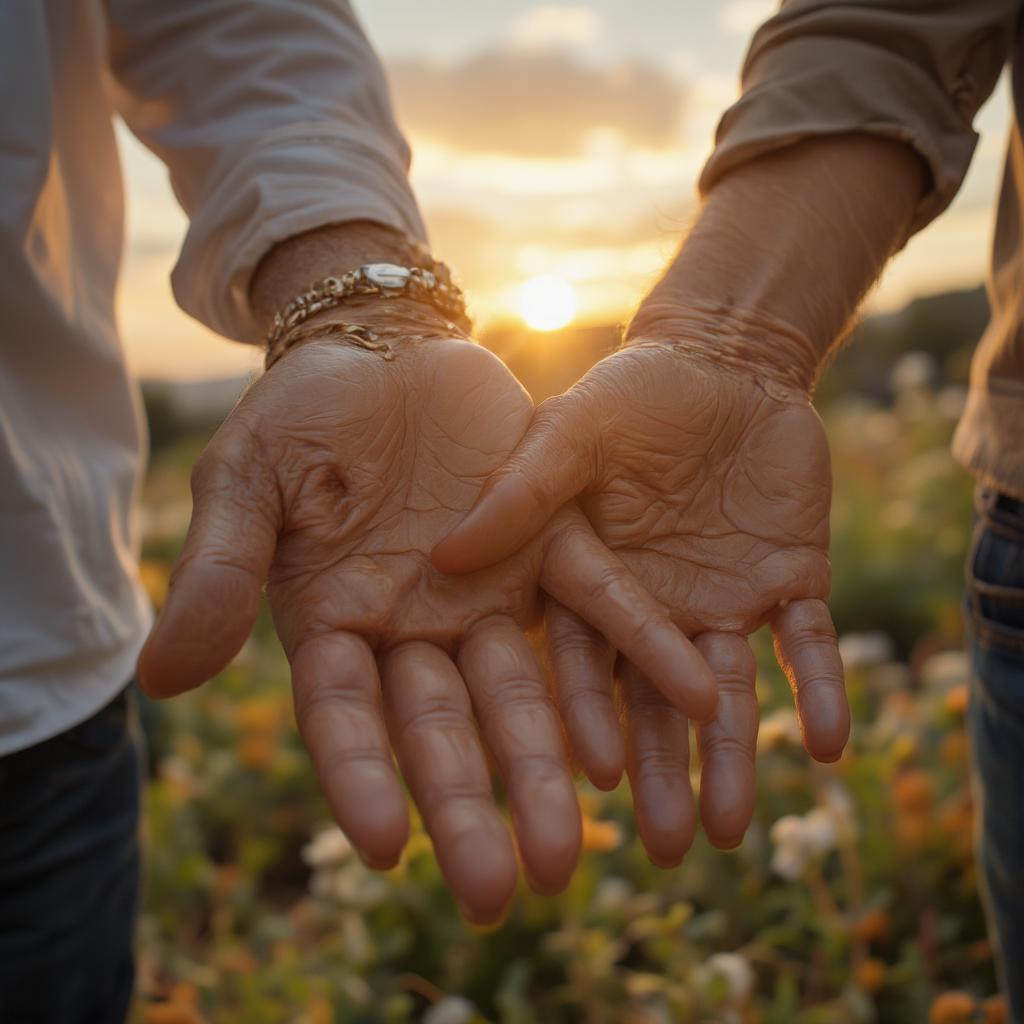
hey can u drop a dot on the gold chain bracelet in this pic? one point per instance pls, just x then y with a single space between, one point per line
433 286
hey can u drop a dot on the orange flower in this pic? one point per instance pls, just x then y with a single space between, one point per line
259 714
256 750
179 1008
954 749
600 836
154 577
873 926
913 792
952 1008
171 1013
956 699
870 975
995 1010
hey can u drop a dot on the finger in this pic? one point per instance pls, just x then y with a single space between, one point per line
215 588
581 662
808 652
658 766
728 742
585 576
553 462
430 721
522 732
339 714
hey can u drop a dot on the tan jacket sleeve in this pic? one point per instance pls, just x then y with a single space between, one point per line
273 118
913 70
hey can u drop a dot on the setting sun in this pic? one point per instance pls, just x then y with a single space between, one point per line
547 302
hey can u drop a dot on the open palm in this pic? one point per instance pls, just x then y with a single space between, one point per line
332 481
712 484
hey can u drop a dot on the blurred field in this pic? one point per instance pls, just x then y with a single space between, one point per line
852 899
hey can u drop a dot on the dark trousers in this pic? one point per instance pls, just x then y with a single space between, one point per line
995 607
69 872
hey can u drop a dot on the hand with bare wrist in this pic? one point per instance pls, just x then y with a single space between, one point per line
698 458
710 479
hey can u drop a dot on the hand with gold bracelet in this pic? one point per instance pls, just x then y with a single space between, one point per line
331 482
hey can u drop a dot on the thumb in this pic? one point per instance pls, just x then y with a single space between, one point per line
214 595
554 461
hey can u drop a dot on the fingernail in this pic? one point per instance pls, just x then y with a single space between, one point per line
481 927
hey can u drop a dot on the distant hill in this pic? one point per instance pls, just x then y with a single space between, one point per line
947 326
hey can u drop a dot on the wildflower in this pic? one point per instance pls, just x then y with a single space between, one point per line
863 650
779 729
995 1011
328 848
870 975
945 670
155 580
180 1007
952 1008
259 714
873 926
256 750
737 973
800 840
956 700
613 894
955 749
914 371
451 1010
600 836
913 793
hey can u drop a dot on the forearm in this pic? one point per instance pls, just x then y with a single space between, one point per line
799 236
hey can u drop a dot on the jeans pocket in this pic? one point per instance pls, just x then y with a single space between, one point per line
995 586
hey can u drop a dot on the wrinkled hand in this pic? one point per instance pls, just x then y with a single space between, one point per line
712 483
332 480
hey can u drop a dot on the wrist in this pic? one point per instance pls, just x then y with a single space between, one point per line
289 268
384 327
750 342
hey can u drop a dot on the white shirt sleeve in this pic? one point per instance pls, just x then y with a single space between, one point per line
273 117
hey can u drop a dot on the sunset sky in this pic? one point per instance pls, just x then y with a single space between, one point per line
552 141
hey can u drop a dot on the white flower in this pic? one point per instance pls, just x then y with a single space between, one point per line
451 1010
945 670
737 973
328 847
915 371
951 401
613 894
801 839
789 862
791 854
779 729
819 831
862 650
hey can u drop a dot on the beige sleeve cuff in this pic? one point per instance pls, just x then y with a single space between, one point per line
294 180
812 86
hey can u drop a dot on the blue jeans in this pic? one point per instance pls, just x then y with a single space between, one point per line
995 607
69 872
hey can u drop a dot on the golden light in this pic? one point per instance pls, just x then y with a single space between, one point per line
547 302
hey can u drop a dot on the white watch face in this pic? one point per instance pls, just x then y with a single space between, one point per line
386 275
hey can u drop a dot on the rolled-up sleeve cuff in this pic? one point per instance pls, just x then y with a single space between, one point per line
293 180
812 87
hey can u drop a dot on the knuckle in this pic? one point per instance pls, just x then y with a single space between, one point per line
715 745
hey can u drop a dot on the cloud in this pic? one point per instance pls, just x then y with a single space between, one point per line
742 17
555 26
533 103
